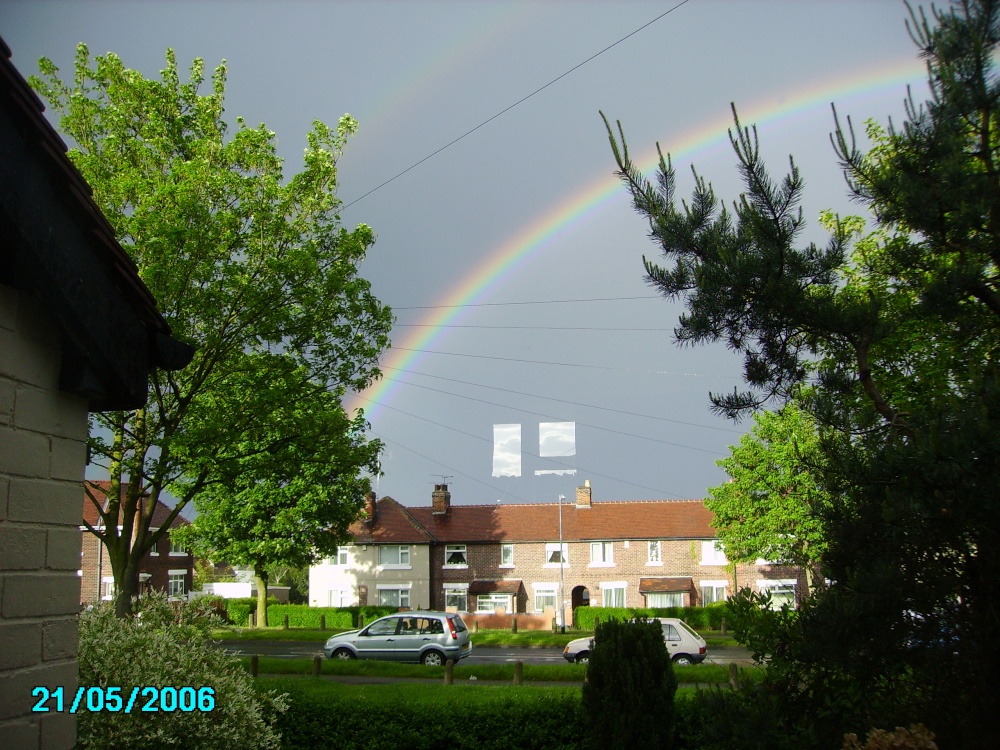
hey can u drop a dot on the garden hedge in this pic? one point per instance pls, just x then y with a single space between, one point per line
304 616
699 618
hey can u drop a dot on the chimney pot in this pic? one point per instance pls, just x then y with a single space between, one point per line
370 507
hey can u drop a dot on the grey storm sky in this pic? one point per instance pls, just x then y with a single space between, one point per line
520 226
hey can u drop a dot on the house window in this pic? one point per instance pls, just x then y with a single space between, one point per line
713 591
613 594
665 599
489 602
653 557
457 597
602 554
553 556
455 556
394 555
175 583
342 558
712 553
177 549
506 555
339 598
153 551
782 592
107 588
394 597
545 596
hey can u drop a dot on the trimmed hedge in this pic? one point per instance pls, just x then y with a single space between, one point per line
699 618
322 714
304 616
238 610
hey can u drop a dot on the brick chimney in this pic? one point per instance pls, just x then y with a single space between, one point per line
370 507
583 495
440 499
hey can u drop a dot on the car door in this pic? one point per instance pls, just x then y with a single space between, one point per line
378 640
410 638
672 638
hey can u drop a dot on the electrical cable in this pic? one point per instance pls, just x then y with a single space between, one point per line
507 109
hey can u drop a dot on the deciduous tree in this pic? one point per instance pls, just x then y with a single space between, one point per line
253 269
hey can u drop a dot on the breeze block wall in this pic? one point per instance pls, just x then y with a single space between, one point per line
43 434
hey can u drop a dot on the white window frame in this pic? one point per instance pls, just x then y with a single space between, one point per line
338 598
712 553
715 585
553 547
602 555
174 552
107 588
403 590
172 578
402 550
452 549
153 552
787 585
546 590
614 586
495 600
677 597
654 554
457 589
507 551
343 558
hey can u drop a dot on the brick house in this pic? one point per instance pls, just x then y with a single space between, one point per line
79 333
167 567
483 558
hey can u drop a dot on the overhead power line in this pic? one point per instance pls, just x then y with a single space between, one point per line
532 302
559 364
508 108
559 400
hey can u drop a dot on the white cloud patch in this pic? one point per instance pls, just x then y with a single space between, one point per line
506 450
556 439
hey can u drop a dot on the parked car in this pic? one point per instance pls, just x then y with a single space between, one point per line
683 644
426 637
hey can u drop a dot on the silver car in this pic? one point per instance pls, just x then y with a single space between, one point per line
684 645
426 637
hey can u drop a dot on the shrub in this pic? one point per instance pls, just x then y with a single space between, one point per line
304 616
699 618
629 693
167 646
238 610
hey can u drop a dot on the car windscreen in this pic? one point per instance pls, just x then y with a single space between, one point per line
459 625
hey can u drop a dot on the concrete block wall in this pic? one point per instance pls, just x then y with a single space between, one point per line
43 434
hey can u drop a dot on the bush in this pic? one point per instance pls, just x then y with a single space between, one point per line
167 646
628 697
419 717
699 618
304 616
238 610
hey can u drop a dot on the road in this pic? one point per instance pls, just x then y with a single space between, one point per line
306 650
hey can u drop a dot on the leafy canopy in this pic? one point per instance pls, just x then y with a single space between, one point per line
253 269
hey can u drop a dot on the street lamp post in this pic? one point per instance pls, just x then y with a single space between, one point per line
562 575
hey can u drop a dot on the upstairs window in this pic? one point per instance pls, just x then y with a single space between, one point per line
654 554
602 553
394 554
507 555
553 555
713 554
456 556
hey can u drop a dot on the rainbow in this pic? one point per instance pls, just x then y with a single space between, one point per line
504 261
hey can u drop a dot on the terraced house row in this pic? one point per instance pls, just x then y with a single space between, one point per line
492 558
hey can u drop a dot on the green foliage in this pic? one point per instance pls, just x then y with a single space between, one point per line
424 717
892 347
628 697
238 609
304 616
255 271
699 618
773 504
165 645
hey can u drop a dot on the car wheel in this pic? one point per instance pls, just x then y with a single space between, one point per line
583 658
432 659
344 654
683 660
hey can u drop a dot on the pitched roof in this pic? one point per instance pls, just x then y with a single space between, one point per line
100 490
537 522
